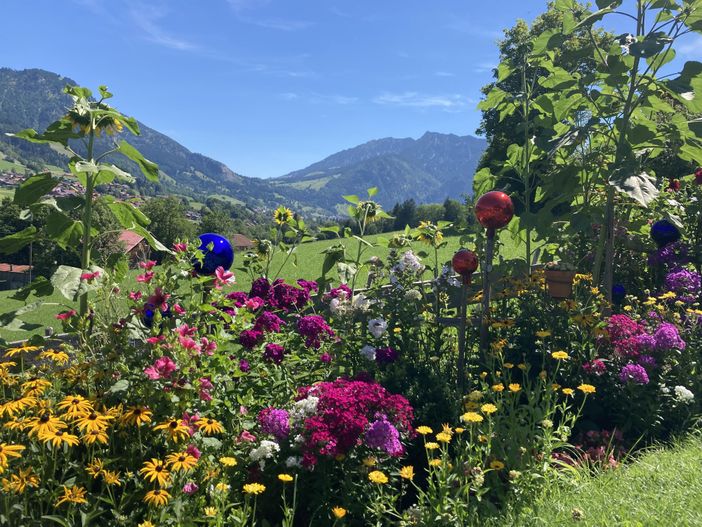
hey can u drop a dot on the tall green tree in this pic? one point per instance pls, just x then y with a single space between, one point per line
168 221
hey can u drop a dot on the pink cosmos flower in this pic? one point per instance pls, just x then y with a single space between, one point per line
180 247
189 344
158 299
205 383
65 315
185 331
178 310
193 451
89 277
190 488
146 277
208 346
223 277
163 367
135 295
148 265
156 340
205 395
247 437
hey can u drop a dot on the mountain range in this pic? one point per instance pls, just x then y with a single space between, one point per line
428 169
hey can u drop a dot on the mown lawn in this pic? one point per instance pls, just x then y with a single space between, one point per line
663 487
309 258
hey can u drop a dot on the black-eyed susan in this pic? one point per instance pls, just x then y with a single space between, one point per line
338 512
407 472
587 388
155 470
136 416
181 462
75 406
44 423
157 498
175 430
111 478
95 436
7 451
285 478
95 466
254 488
496 464
35 387
55 355
18 483
93 421
58 438
15 406
209 426
378 477
11 352
72 494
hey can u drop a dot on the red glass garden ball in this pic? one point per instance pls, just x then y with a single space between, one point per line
464 262
494 210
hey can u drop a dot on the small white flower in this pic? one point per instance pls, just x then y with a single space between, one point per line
683 394
266 450
304 408
377 327
368 352
664 389
413 295
293 462
361 303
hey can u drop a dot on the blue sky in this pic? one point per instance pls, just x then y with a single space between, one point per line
270 86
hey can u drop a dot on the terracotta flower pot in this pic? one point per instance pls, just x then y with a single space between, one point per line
560 283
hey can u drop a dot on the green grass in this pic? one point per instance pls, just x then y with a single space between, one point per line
309 258
662 487
7 193
10 166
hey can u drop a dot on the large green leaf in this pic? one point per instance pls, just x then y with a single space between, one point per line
14 242
149 168
34 188
637 185
40 286
64 230
128 215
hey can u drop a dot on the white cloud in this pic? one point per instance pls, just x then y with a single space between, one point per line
444 74
319 98
146 18
450 102
280 24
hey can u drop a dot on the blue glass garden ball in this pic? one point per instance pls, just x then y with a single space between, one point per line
221 254
148 315
664 232
618 293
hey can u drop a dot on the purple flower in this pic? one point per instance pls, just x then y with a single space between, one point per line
384 436
667 337
274 353
250 338
386 355
633 373
672 256
190 488
244 365
645 342
685 284
325 358
260 288
315 329
239 297
267 322
647 361
308 285
275 422
343 290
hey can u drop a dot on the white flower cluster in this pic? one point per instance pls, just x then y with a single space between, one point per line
409 262
266 450
683 394
343 306
368 352
377 327
304 408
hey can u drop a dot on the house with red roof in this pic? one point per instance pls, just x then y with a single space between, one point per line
135 246
14 276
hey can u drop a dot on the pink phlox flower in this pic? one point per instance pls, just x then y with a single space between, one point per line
89 277
146 277
208 347
135 295
148 265
162 368
223 277
65 315
180 247
178 309
185 331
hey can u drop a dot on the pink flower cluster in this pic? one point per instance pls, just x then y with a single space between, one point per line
350 413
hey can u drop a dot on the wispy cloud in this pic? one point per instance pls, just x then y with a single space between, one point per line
450 102
469 27
693 47
147 17
319 98
281 24
243 5
484 67
444 74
